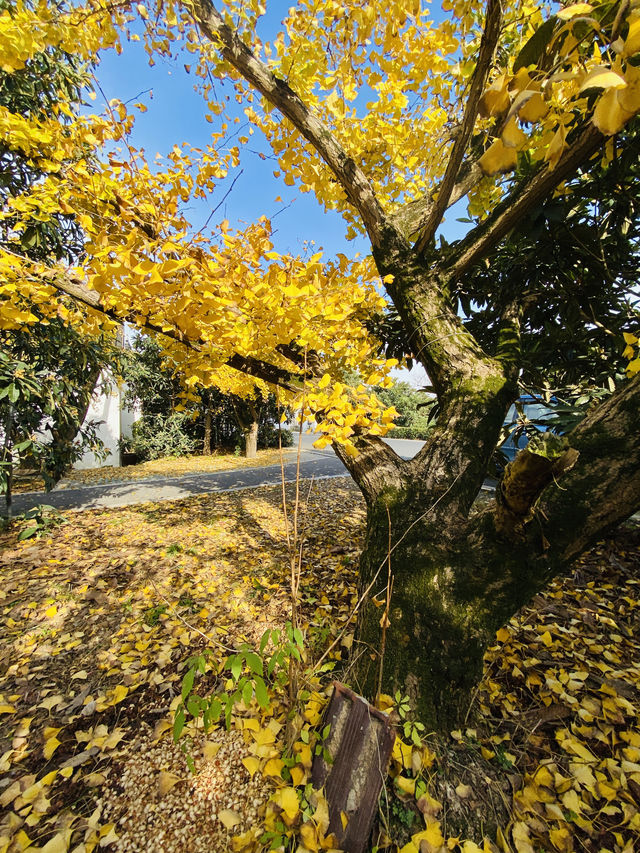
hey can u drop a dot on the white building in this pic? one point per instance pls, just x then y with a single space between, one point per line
115 422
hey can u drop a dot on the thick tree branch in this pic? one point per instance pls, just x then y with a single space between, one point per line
485 57
352 179
243 363
508 349
603 488
524 481
519 202
375 468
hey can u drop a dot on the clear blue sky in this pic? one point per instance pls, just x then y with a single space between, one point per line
176 114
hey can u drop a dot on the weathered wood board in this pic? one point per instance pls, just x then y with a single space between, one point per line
359 742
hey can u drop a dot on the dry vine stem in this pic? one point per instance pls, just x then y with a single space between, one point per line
384 621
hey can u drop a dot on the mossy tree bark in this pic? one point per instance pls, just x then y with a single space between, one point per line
459 575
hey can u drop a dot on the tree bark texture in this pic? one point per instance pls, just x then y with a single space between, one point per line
206 445
459 575
251 440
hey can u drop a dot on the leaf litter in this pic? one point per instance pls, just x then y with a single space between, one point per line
98 622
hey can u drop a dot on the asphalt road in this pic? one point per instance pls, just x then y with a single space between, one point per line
313 463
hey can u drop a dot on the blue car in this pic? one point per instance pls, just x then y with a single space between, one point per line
525 415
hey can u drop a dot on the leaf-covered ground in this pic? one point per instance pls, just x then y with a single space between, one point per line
168 466
99 616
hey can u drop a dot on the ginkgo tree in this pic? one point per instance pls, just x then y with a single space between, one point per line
389 116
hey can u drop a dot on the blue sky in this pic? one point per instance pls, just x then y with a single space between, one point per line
176 114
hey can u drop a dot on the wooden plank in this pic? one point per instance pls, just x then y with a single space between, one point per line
359 743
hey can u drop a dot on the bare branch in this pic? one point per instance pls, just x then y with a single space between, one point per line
519 202
243 363
352 179
485 58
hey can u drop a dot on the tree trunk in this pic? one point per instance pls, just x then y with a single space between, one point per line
251 441
453 587
206 446
459 576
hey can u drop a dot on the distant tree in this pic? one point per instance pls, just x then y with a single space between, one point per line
47 377
413 407
171 425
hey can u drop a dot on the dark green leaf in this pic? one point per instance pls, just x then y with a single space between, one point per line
533 50
178 723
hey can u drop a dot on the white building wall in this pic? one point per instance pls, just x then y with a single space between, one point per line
114 422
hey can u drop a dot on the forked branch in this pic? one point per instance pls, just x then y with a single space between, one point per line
478 81
375 467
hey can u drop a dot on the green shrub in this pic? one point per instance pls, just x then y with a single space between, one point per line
155 436
419 433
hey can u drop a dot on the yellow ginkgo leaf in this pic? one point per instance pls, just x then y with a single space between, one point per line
495 99
432 836
407 786
273 767
629 97
632 41
309 836
574 11
59 843
321 814
210 750
629 338
119 694
287 799
609 116
50 746
533 108
521 838
166 781
298 775
498 158
252 764
602 77
513 136
228 818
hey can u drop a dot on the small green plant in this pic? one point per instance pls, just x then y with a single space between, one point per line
402 814
249 672
185 600
411 730
153 614
39 521
174 549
